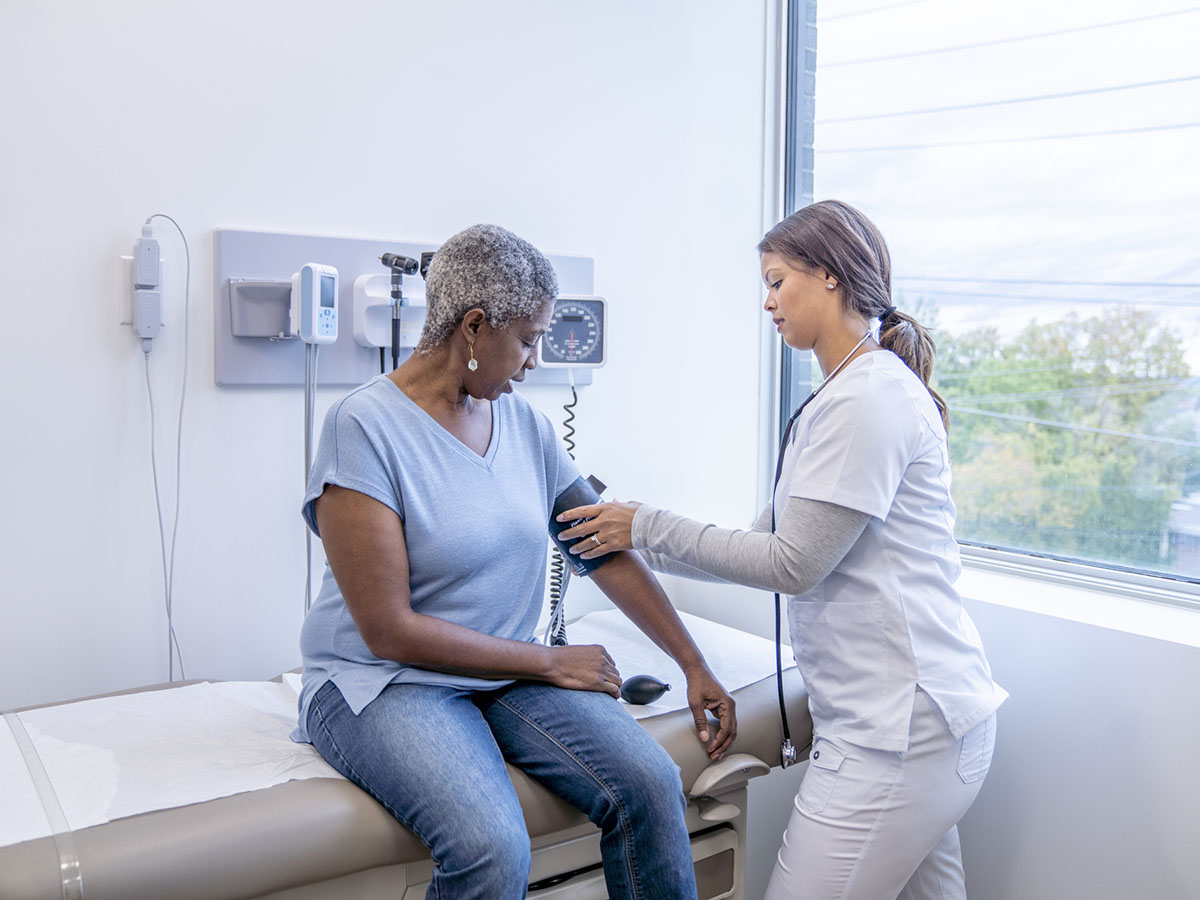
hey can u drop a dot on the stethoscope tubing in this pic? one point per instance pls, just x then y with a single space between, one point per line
788 752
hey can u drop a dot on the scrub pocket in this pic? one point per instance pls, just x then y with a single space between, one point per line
975 757
824 763
841 647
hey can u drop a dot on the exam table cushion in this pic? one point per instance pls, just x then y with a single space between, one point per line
308 831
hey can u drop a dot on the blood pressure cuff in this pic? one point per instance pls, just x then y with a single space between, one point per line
581 492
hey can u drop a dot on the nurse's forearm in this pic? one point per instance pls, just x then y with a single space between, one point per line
810 539
666 565
663 564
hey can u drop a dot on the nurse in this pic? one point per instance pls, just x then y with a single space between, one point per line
860 536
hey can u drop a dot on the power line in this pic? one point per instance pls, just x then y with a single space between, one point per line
1002 373
1016 140
1039 370
1012 40
1068 426
1033 298
1145 284
1136 387
867 12
985 103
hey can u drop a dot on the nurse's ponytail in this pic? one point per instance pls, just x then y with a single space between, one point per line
837 238
909 340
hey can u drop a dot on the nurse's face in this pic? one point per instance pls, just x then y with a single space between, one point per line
505 354
798 299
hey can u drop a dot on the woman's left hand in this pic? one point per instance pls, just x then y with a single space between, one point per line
609 528
704 692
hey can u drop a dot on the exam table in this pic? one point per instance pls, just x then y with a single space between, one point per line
321 836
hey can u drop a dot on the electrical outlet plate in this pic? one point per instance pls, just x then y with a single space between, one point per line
125 290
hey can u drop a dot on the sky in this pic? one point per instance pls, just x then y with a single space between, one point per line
1113 212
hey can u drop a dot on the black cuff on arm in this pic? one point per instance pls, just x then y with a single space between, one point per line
581 492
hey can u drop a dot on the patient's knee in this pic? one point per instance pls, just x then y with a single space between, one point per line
651 785
489 860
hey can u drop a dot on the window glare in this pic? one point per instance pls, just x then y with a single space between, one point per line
1032 167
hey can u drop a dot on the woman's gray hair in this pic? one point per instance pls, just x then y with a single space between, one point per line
484 267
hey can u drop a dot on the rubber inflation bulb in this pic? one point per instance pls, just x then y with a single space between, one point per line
642 689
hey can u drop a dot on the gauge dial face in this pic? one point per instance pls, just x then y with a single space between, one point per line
574 335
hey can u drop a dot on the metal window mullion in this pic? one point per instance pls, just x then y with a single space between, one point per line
800 113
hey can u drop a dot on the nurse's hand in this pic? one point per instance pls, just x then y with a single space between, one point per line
705 693
584 667
609 528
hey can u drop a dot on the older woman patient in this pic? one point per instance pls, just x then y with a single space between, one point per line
432 492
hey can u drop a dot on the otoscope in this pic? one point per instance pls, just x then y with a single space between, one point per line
400 266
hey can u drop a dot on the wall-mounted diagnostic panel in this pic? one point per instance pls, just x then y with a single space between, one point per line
257 343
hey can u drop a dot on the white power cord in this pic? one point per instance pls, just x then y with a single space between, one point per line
310 385
169 569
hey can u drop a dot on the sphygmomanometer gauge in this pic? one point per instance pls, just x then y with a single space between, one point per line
577 335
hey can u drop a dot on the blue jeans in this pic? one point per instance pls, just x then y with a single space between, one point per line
434 757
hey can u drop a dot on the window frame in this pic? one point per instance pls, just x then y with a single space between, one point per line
1117 581
793 367
800 81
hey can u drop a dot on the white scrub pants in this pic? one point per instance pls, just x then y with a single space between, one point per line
877 825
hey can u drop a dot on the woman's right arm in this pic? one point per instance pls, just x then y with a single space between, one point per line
364 542
667 565
811 537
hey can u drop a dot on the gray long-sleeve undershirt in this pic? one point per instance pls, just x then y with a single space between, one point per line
811 537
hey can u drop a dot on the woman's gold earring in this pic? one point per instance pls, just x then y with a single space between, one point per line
472 363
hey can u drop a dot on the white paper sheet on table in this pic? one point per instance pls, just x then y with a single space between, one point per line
121 756
735 657
21 815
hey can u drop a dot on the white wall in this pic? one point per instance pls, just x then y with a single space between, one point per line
1094 787
628 132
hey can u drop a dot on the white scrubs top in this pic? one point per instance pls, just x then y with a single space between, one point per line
887 620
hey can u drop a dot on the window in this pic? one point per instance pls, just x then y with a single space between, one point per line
1033 169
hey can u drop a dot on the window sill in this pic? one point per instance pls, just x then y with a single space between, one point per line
1150 607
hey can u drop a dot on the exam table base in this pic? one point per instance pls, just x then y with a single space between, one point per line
566 866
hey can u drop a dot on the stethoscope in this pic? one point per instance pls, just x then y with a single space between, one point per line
787 750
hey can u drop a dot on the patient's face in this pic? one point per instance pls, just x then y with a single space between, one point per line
505 354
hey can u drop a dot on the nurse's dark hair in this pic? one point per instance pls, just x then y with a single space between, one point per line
838 239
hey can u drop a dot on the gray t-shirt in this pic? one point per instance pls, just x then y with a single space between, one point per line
476 529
